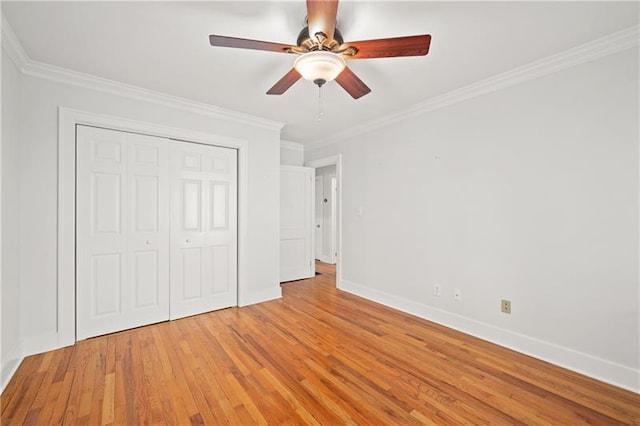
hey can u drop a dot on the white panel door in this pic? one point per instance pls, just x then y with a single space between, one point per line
204 228
122 231
319 229
296 222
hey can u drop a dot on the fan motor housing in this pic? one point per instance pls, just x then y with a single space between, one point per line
304 36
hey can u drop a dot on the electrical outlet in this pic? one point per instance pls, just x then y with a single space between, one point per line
437 290
505 306
457 294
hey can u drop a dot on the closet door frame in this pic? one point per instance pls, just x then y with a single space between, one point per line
68 119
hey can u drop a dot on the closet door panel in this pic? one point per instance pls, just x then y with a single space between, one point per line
122 231
204 228
149 230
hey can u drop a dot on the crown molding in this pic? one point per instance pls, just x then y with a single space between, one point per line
11 44
607 45
294 146
65 76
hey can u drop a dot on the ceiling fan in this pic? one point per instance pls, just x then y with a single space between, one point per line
323 51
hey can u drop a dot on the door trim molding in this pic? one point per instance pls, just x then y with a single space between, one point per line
337 161
66 263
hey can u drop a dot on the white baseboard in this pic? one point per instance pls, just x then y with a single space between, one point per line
41 343
597 368
10 364
262 296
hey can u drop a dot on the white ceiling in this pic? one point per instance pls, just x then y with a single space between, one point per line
163 46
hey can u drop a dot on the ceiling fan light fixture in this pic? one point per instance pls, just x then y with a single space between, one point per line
319 66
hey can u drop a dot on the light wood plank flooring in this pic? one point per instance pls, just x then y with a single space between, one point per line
318 356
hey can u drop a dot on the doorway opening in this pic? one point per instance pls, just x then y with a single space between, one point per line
328 215
325 214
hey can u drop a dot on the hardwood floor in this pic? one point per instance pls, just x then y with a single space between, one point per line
317 356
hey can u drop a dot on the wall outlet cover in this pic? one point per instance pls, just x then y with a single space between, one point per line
437 290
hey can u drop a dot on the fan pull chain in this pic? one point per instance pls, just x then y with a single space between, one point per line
320 106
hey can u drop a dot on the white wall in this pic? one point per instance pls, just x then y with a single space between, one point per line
38 174
291 153
326 173
10 353
529 193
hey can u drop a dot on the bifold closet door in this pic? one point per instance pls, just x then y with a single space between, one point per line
203 228
122 231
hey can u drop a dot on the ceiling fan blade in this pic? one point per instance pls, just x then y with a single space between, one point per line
285 82
390 47
242 43
352 84
321 17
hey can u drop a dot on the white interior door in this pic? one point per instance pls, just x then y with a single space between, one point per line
319 229
204 228
122 231
296 222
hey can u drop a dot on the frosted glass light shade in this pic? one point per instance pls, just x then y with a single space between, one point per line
319 66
